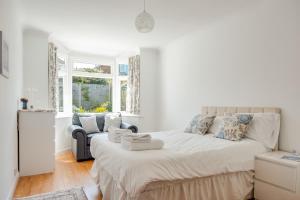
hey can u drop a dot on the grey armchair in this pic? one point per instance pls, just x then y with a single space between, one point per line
81 140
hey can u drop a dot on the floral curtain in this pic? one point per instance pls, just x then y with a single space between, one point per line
52 75
133 90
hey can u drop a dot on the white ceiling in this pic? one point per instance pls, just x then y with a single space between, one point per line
106 27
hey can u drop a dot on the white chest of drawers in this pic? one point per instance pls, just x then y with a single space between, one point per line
276 178
36 142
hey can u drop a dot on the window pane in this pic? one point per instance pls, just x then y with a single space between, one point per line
92 94
61 69
123 70
60 94
61 64
92 68
123 95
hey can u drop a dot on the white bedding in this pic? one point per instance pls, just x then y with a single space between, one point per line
183 156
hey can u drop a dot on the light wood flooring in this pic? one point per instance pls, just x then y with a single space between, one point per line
68 173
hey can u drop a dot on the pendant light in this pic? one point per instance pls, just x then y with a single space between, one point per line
144 22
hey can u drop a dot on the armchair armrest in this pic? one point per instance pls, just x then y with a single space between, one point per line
133 128
75 130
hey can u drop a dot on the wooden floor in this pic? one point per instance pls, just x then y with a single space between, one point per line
68 173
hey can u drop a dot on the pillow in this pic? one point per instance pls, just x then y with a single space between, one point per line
89 124
234 127
265 128
199 124
112 120
217 123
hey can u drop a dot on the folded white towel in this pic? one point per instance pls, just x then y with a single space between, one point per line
152 145
137 138
119 130
114 137
114 134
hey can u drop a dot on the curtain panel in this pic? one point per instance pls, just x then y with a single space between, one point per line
133 90
52 75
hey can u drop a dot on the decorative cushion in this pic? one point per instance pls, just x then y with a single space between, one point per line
234 127
76 121
112 120
199 124
89 124
99 118
217 123
265 128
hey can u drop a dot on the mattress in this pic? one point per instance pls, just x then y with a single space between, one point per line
184 156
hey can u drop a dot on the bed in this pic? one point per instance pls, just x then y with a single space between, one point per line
188 167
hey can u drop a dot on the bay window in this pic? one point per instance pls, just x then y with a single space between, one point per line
98 87
91 85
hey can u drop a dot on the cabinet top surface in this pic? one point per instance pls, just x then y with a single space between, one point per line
276 156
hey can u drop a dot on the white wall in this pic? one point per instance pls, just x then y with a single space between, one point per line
148 88
10 92
62 137
35 48
248 59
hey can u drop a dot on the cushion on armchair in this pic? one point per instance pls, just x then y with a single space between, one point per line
100 119
112 120
89 124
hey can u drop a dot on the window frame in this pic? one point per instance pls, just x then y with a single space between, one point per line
118 88
120 78
116 79
71 58
64 76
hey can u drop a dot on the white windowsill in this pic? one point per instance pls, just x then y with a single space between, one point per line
125 114
61 115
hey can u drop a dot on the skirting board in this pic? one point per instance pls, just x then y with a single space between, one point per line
59 151
13 187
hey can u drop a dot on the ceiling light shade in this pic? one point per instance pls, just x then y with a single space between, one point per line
144 22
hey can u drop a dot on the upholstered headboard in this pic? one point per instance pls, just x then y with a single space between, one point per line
221 110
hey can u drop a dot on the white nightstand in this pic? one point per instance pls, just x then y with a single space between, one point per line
276 178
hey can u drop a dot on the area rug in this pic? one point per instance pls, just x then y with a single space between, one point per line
70 194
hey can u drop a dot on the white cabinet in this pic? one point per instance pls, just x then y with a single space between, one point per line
36 142
276 178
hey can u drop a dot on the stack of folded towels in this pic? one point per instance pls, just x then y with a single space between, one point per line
114 134
132 141
139 142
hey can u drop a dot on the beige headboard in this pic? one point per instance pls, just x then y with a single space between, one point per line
221 110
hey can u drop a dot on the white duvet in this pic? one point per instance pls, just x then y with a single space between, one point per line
183 156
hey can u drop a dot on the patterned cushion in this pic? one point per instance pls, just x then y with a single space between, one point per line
200 124
234 127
